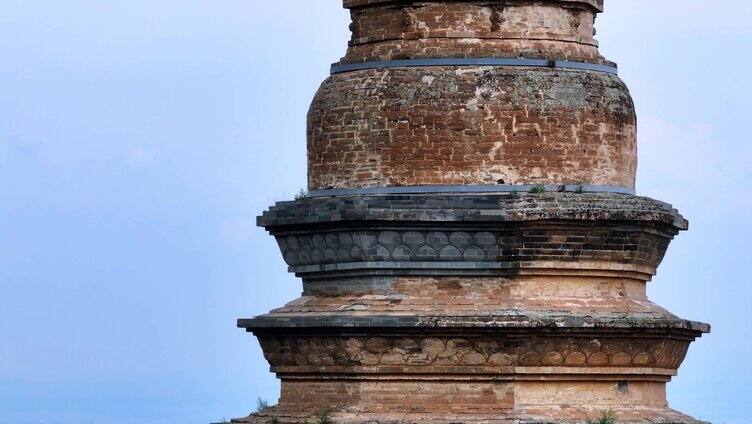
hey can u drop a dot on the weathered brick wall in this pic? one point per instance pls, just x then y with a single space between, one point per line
479 397
472 125
465 29
447 126
399 396
478 400
466 295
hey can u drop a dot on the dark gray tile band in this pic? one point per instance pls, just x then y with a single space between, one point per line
501 188
339 68
503 209
398 265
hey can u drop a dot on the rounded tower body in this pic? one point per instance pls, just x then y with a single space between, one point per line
471 247
400 109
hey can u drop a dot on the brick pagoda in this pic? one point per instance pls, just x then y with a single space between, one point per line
471 246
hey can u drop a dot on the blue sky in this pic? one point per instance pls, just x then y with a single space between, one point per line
140 138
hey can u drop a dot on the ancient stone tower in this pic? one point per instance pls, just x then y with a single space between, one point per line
471 247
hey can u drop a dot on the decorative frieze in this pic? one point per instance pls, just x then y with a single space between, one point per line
490 354
474 234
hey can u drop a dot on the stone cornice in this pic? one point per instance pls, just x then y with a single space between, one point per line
478 208
515 321
367 240
355 4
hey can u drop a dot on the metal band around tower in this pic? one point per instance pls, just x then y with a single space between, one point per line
339 68
469 189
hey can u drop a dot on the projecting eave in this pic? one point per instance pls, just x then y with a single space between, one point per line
512 321
474 208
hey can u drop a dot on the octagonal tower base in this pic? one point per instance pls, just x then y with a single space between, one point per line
500 307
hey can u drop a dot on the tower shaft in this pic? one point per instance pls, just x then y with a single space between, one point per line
471 247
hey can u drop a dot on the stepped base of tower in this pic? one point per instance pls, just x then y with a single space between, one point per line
505 367
542 396
473 308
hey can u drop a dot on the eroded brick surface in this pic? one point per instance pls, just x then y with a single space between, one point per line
474 28
468 295
471 125
479 354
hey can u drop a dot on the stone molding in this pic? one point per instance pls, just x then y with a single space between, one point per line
338 68
474 234
469 251
477 207
353 4
511 321
439 354
470 189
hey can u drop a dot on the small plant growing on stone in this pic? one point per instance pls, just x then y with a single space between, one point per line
261 405
538 189
580 189
324 417
302 194
274 420
608 417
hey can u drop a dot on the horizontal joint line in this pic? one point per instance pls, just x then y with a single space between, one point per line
339 68
499 188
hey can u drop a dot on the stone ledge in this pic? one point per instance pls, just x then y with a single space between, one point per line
663 417
497 208
508 320
471 374
375 236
